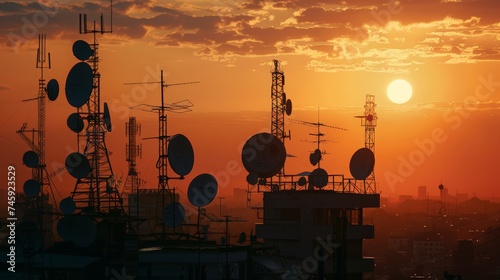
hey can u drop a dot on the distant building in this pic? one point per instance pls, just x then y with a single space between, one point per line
146 209
399 244
427 245
403 198
300 225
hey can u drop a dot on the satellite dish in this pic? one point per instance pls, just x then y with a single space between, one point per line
32 187
85 232
202 190
180 154
263 154
252 178
75 122
262 181
67 206
242 238
52 89
283 99
66 227
28 236
107 117
79 84
362 163
173 214
319 178
288 107
314 159
31 159
77 165
302 181
82 50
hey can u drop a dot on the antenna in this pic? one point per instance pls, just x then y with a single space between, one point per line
83 23
182 157
316 156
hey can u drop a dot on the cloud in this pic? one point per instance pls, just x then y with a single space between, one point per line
3 88
347 35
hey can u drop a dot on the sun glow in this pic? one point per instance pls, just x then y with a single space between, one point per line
399 91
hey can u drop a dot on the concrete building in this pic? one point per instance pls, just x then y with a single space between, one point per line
319 231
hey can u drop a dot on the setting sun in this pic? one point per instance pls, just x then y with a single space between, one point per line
399 91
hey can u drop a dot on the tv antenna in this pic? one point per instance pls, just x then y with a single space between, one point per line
316 156
369 121
179 153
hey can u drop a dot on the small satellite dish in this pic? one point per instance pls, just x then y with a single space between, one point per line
283 99
173 214
107 117
319 178
180 154
79 84
82 50
302 181
362 163
52 89
288 107
32 187
263 154
85 232
77 165
252 178
242 238
67 206
202 190
75 122
31 159
441 186
262 181
314 159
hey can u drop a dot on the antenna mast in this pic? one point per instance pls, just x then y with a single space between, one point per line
369 121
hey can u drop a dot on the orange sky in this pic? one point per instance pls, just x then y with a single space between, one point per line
332 56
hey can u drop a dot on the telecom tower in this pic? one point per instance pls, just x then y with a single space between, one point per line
279 104
132 182
369 121
36 158
95 191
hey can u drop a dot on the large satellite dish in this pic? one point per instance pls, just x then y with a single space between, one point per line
319 178
75 122
31 159
263 154
82 50
362 163
67 206
173 214
52 89
202 190
32 187
107 117
180 154
79 84
77 165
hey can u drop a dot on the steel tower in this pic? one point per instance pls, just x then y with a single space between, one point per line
369 121
97 192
